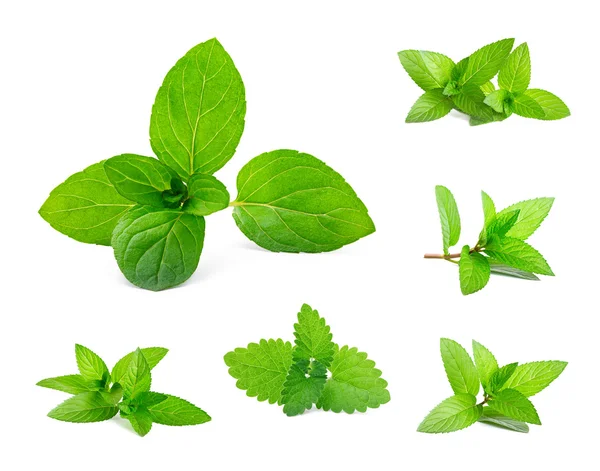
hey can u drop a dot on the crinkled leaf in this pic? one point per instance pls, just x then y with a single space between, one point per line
484 63
531 378
85 407
515 73
176 411
553 107
474 271
518 254
531 214
429 70
313 337
303 386
430 106
485 361
206 195
461 371
514 404
449 217
491 417
455 413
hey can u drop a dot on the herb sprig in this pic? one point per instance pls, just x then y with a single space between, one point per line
152 211
467 87
506 390
99 394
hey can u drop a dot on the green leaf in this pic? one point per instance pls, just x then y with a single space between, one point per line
455 413
153 355
461 371
531 378
85 407
489 209
471 101
490 416
86 206
451 89
429 70
138 178
553 107
430 106
487 88
459 70
313 337
303 386
207 195
474 271
500 377
90 365
176 411
518 254
515 73
261 368
198 115
498 268
485 361
527 107
140 420
148 399
531 214
137 378
497 99
292 202
72 384
484 63
512 403
355 384
115 394
495 117
502 224
449 217
158 249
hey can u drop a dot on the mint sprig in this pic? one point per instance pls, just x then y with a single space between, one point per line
505 390
313 371
151 211
501 247
100 395
467 85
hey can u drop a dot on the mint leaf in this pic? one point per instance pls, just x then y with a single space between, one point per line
303 386
474 271
149 398
207 195
497 100
515 73
86 207
489 209
531 214
449 217
486 363
90 365
153 355
138 178
176 411
85 407
313 337
491 417
137 377
430 106
531 378
495 117
500 377
471 101
553 107
198 115
455 413
527 107
429 70
292 202
503 223
140 420
484 63
158 249
512 403
261 368
518 254
498 268
460 370
72 384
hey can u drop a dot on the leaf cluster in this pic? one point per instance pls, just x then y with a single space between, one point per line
467 86
501 247
152 211
313 371
506 390
99 395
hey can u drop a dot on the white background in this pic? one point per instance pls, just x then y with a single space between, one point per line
78 80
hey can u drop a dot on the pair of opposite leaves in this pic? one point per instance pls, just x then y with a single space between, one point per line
152 211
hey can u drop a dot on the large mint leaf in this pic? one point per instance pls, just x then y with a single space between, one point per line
485 361
455 413
206 195
430 106
531 214
515 73
449 217
531 378
72 384
261 368
86 206
491 417
518 254
153 355
313 337
85 407
553 107
292 202
473 270
176 411
527 107
137 378
461 371
429 70
484 63
158 249
90 365
303 386
512 403
198 115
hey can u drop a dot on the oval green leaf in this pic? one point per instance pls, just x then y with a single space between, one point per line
430 106
207 195
455 413
554 107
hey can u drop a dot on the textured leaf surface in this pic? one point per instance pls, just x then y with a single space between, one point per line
72 384
503 223
207 195
485 361
90 365
514 404
176 411
461 371
455 413
137 377
198 115
518 254
429 70
449 217
261 368
496 100
85 407
553 107
140 420
158 249
474 271
498 268
527 107
292 202
303 386
355 383
153 355
430 106
515 73
86 206
313 337
531 214
490 416
484 63
471 100
531 378
500 377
